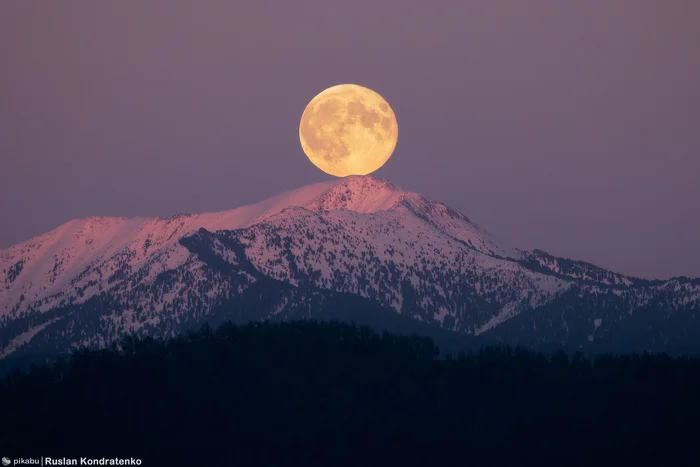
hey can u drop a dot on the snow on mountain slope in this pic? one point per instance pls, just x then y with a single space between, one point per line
456 225
371 195
396 258
98 250
97 278
579 270
86 256
402 262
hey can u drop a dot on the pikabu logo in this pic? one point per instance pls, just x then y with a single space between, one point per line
21 461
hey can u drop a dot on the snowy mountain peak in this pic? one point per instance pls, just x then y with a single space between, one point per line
367 194
362 194
93 279
43 271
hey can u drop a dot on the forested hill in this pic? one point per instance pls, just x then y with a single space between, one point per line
313 393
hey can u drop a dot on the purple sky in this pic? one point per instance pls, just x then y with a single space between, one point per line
573 127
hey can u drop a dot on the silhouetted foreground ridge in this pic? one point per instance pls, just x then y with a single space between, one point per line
309 393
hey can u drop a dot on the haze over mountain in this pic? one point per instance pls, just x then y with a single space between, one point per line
354 248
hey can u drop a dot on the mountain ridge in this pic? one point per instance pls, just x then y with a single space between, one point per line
362 236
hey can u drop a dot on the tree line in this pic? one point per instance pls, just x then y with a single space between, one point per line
331 393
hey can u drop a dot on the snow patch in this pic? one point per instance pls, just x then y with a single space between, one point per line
24 338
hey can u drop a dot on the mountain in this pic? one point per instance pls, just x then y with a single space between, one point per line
354 248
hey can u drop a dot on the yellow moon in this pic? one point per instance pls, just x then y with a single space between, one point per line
348 130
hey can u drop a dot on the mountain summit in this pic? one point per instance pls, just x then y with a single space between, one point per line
358 240
362 194
40 270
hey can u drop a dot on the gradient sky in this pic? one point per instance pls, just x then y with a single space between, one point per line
573 127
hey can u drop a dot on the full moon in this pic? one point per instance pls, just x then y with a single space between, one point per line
348 130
